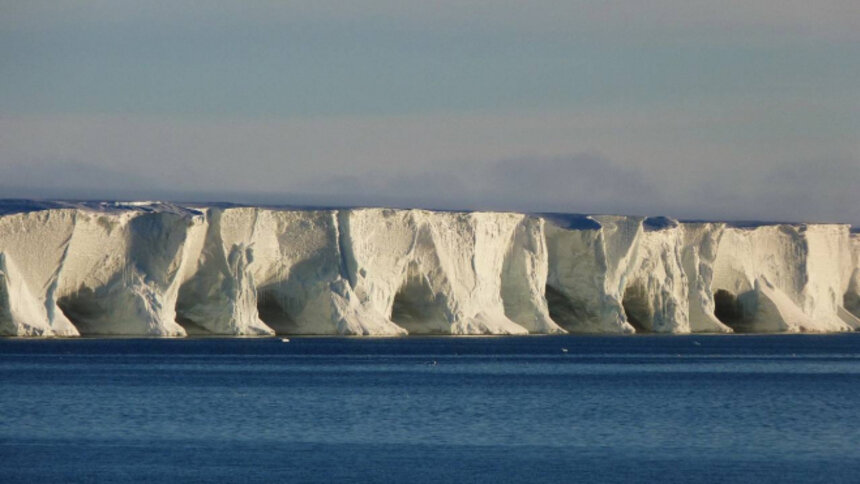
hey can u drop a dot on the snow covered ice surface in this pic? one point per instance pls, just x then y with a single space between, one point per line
159 269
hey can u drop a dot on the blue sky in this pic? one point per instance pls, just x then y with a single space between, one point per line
702 109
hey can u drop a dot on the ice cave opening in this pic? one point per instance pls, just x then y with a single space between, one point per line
5 309
84 312
851 298
564 311
191 327
416 307
271 309
729 310
637 308
191 310
515 290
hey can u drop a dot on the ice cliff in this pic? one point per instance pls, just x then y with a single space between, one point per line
157 269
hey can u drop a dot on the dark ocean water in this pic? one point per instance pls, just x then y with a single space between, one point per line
504 409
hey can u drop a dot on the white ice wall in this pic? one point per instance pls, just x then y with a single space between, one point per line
699 251
34 246
162 270
587 265
656 285
218 293
851 297
121 272
450 273
787 277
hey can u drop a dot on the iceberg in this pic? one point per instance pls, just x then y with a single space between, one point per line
165 270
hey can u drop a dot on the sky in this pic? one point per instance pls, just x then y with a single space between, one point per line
697 109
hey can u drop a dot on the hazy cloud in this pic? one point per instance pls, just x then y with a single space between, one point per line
810 190
638 163
802 191
69 179
576 183
825 190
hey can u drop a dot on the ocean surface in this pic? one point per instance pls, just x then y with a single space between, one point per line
737 408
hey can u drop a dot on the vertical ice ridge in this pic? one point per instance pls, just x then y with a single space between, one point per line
851 294
218 293
523 277
699 251
34 245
